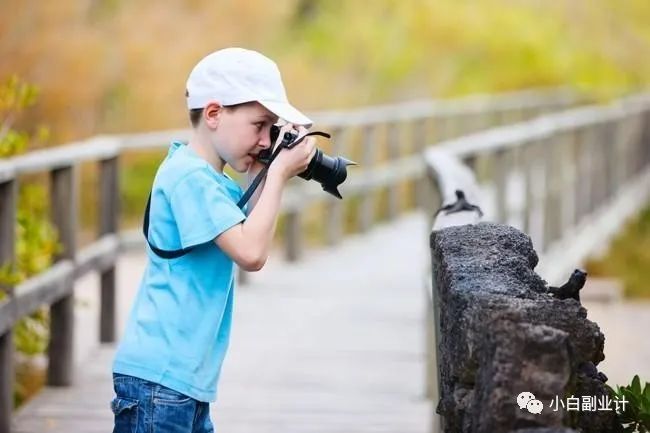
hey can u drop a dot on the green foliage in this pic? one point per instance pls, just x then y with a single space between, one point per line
636 416
15 95
628 257
36 238
135 184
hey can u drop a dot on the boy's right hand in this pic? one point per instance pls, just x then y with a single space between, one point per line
291 162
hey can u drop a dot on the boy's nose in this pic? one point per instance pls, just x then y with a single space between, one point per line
264 142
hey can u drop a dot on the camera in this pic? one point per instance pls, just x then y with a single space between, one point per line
329 171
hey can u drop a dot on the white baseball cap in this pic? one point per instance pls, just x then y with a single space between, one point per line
236 75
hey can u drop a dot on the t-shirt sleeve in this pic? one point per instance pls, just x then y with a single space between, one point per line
202 208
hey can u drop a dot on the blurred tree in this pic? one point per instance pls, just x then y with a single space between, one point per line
117 66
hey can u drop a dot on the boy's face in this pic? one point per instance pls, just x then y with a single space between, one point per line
241 133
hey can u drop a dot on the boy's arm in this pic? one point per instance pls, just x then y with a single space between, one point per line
248 243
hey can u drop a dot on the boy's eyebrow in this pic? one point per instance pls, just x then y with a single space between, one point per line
269 117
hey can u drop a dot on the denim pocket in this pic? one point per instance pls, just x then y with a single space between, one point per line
164 395
126 414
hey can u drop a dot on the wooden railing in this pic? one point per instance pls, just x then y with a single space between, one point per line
381 131
568 164
572 166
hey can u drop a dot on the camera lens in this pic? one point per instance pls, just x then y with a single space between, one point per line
329 171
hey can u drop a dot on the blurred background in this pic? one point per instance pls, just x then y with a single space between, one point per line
74 69
119 66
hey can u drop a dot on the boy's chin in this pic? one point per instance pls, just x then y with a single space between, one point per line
242 165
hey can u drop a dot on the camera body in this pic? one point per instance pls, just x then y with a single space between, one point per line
328 171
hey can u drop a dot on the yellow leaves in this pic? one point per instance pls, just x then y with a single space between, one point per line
16 94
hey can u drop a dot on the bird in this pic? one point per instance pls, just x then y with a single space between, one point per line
588 369
570 289
461 204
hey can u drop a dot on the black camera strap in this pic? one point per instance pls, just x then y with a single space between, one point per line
173 254
262 174
163 254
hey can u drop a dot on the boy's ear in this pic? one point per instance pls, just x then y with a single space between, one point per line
212 114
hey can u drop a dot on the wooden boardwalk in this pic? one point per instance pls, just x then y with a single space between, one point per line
334 343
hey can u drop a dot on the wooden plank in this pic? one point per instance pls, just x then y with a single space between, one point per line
98 256
7 172
420 140
367 206
64 216
65 156
404 111
334 206
420 109
394 143
293 236
500 162
43 289
56 282
6 381
8 204
109 211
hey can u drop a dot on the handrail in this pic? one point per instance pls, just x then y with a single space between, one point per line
105 146
380 127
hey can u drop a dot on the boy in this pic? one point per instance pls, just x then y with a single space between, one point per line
167 366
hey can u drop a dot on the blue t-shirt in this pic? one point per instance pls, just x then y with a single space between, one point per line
179 326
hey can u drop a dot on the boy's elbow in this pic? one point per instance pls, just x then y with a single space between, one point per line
253 263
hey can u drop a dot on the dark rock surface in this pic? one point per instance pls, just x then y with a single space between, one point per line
502 333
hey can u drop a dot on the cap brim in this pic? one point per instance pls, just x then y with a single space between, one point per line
286 111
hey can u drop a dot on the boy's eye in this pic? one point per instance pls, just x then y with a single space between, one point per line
259 125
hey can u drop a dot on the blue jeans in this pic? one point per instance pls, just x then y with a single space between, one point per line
141 406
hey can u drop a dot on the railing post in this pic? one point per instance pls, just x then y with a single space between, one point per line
621 135
293 235
600 178
8 203
553 214
334 207
394 136
64 215
610 158
639 140
536 191
109 211
419 138
565 182
527 160
583 186
572 170
644 140
367 205
500 178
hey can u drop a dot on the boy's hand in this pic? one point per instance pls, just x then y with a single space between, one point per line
291 162
257 166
